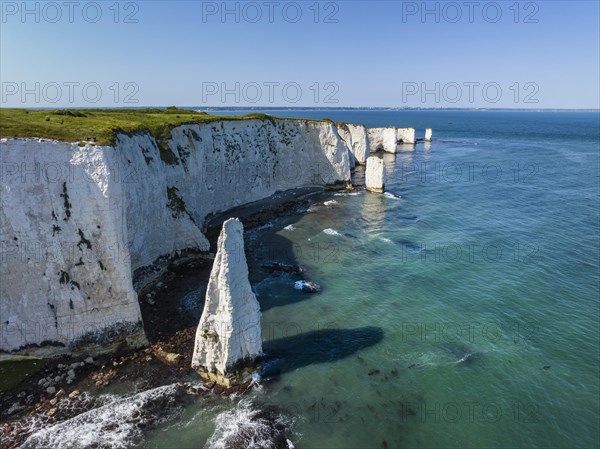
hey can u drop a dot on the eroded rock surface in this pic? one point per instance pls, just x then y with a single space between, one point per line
228 342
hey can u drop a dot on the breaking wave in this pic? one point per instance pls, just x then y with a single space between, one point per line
347 193
247 427
330 231
116 424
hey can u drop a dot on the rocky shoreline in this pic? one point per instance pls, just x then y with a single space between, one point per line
68 386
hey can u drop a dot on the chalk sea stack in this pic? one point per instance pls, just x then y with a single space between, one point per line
383 139
228 346
428 135
375 175
405 135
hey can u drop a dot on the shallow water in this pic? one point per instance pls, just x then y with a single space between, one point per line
461 311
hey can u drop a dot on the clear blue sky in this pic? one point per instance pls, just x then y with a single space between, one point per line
377 54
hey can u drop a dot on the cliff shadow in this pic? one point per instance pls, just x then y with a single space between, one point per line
322 346
272 258
273 270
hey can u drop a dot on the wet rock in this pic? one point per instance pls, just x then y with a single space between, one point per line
394 372
89 360
266 426
51 390
307 286
166 357
73 393
373 372
15 408
276 267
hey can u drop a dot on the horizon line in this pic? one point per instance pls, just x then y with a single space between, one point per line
315 108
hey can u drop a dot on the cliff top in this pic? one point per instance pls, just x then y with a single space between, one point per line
100 126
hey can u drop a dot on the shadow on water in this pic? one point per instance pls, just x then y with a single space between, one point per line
322 346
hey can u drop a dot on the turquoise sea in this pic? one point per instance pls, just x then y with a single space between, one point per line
460 310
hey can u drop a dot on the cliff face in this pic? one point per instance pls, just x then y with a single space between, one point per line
356 138
78 221
405 135
383 139
391 139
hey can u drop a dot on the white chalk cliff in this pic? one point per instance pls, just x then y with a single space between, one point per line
78 221
228 337
357 140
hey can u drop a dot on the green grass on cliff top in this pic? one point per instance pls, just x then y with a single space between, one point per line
75 125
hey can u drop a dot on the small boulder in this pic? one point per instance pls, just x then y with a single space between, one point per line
307 286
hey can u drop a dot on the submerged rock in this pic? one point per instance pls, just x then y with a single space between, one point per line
281 268
228 344
307 286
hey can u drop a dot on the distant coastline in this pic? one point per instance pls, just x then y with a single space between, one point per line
311 108
366 108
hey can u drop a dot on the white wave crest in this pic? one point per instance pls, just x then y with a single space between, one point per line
330 231
246 427
330 203
113 425
290 228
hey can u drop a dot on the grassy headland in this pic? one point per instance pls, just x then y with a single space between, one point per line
77 125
